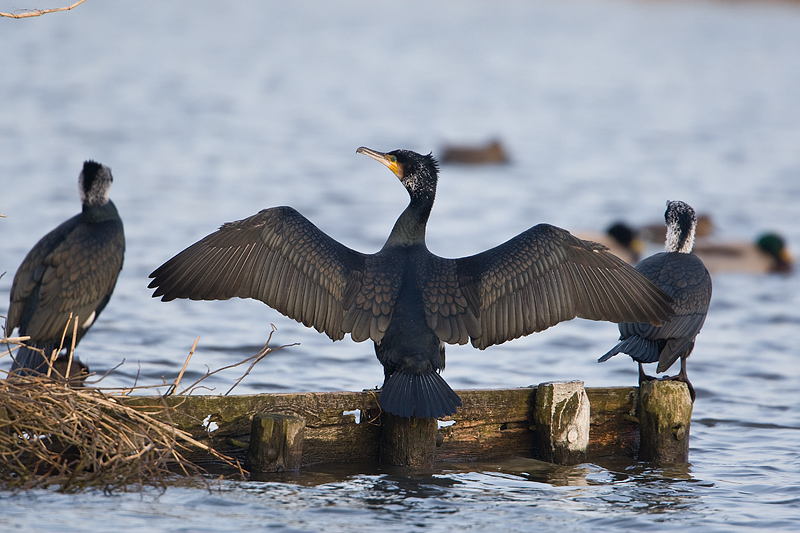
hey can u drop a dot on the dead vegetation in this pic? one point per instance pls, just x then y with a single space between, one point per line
62 433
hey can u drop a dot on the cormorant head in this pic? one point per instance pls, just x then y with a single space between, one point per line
681 223
774 245
94 183
418 173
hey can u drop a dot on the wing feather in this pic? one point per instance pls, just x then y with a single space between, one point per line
277 256
545 276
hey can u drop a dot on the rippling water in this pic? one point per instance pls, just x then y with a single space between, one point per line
208 112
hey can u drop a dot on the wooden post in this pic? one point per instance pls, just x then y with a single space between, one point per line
276 443
408 441
665 415
561 417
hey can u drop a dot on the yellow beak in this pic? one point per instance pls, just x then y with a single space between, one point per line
386 159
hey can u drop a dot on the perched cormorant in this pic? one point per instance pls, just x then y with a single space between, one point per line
767 255
409 301
682 275
72 269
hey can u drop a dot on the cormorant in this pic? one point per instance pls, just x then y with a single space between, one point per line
409 301
682 275
72 269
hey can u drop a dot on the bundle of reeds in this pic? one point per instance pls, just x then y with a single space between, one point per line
57 432
52 434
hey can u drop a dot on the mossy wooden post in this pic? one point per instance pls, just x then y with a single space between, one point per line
408 441
276 443
665 415
561 417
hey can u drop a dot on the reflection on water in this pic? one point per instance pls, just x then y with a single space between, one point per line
608 108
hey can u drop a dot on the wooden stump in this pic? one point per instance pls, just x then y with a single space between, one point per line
276 443
561 416
408 441
665 415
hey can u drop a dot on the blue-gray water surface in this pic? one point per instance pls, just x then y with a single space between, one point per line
208 112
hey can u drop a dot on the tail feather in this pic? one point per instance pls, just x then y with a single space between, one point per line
418 395
640 349
26 358
28 362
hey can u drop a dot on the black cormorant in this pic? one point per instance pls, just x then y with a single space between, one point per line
682 275
409 301
72 269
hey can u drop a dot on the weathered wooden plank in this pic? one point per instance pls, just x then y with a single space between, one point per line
614 426
491 424
330 436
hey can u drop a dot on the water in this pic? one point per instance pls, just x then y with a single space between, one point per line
207 113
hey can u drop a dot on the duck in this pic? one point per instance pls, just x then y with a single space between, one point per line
768 254
492 152
621 239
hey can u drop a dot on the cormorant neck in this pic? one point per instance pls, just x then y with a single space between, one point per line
100 213
680 239
410 226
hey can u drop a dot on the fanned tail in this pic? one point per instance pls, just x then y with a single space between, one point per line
418 395
642 350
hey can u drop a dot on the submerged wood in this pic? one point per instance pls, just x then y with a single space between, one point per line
491 424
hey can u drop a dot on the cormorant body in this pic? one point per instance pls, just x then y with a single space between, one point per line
682 275
408 301
72 269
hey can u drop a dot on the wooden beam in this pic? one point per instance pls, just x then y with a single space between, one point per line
491 424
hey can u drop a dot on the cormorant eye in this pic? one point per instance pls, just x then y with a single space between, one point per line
393 159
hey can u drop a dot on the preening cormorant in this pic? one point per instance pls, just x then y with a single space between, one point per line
409 301
682 275
72 269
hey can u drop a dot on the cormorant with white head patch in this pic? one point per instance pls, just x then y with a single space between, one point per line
71 270
682 275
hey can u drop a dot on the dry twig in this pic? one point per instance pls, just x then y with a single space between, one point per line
40 12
